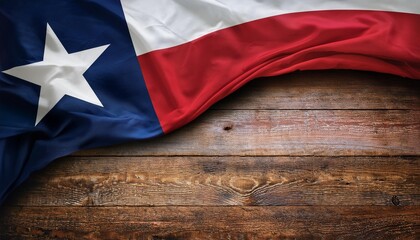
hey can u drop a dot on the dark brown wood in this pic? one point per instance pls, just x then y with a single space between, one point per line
216 181
286 133
308 155
326 90
191 222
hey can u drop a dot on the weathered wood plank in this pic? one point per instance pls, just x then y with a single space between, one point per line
189 184
205 181
286 132
308 222
327 90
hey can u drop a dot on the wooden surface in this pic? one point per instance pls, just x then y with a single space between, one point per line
312 155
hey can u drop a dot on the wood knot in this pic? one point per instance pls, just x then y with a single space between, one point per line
395 200
228 127
243 185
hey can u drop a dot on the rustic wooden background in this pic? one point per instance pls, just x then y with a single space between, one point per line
316 154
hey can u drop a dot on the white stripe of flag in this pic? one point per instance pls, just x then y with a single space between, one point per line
160 24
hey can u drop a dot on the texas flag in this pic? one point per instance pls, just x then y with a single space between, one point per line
77 74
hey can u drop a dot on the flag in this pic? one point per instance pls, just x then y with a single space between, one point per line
78 74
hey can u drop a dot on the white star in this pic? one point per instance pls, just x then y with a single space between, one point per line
59 74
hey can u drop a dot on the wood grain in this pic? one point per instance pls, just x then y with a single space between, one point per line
270 222
217 181
308 155
286 133
326 90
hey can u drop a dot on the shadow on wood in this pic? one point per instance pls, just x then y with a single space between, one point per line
330 154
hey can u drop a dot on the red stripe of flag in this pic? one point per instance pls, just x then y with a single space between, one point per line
185 80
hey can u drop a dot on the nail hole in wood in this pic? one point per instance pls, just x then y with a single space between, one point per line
228 127
395 200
